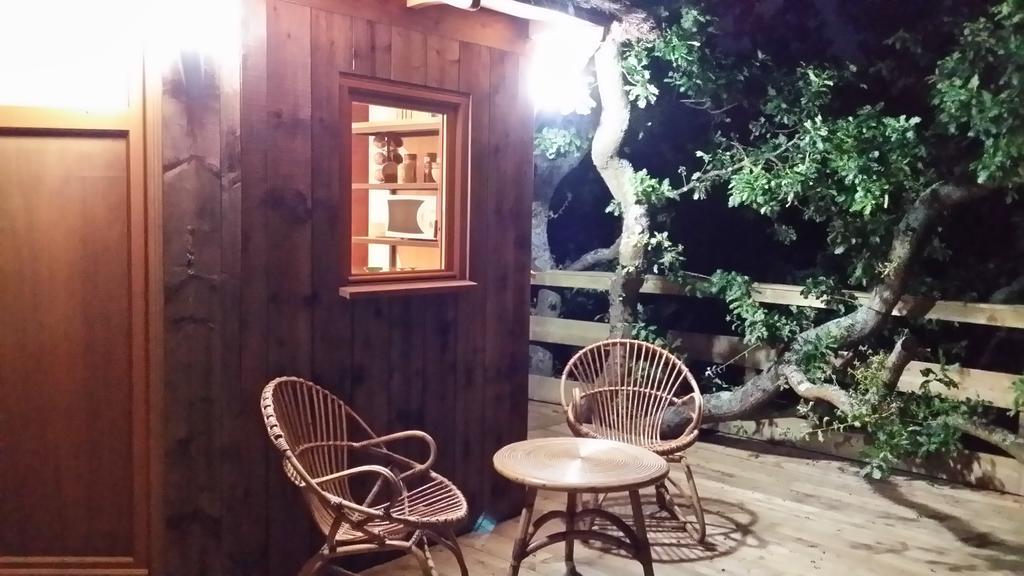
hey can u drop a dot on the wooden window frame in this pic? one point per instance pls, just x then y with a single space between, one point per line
454 228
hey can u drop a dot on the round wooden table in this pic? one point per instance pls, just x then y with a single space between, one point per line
574 466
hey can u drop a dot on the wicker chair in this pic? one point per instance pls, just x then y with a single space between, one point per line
623 390
363 495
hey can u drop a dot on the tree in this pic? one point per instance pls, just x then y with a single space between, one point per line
828 147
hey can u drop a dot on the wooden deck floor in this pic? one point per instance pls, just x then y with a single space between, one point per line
776 511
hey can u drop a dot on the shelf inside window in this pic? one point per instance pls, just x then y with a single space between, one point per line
395 186
395 241
399 127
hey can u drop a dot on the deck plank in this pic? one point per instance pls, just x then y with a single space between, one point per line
783 511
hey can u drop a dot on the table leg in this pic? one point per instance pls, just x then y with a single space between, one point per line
570 525
643 546
519 548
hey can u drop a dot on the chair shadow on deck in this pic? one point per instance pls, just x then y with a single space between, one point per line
729 528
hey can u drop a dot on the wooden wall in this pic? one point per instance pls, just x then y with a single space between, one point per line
251 255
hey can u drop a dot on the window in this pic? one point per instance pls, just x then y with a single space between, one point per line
404 175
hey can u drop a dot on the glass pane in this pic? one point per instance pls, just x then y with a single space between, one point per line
397 190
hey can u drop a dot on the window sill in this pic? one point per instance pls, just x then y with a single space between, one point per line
387 289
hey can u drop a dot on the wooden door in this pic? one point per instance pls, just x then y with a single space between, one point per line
75 344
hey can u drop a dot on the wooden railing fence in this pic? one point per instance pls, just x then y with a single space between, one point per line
995 387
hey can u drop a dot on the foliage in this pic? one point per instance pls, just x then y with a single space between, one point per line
650 191
636 62
853 173
556 143
757 323
900 425
828 291
693 69
647 331
979 88
838 147
1018 396
665 256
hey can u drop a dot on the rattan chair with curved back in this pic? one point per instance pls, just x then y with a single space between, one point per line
363 495
625 390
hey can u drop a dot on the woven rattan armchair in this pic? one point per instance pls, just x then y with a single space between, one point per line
363 495
632 392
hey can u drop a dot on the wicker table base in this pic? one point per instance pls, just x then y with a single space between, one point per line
575 466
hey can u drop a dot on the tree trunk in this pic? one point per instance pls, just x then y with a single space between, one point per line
549 305
617 174
547 175
624 292
541 249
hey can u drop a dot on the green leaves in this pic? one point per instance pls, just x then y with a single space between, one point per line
683 48
665 256
1018 396
854 173
636 60
978 90
650 191
646 331
696 73
902 425
757 323
829 292
556 143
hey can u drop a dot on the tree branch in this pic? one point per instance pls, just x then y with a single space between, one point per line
910 235
750 400
836 396
704 176
632 14
853 328
820 392
540 248
905 350
1007 294
713 175
595 257
905 249
1004 439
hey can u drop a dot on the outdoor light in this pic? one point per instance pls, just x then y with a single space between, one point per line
559 53
80 55
176 29
66 53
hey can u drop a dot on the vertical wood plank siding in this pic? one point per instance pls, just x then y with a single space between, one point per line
246 549
252 271
438 327
470 422
289 273
192 230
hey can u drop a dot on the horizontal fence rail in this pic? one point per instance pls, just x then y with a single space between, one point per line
983 313
993 387
975 468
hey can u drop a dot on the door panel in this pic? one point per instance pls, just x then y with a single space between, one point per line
73 456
